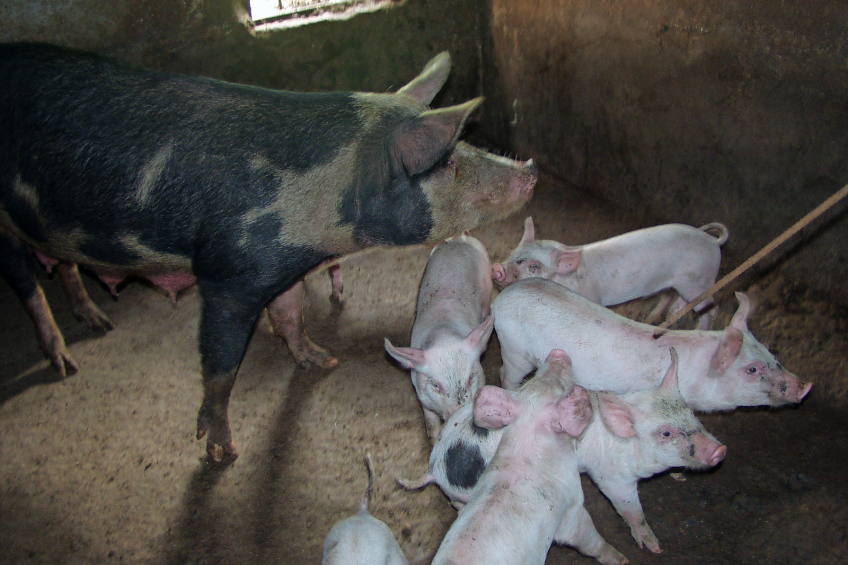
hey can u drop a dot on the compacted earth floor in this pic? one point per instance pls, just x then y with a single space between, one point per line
103 466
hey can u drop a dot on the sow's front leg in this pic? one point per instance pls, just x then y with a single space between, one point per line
286 315
227 318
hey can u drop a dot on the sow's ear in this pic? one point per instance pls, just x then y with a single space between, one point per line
420 143
408 357
495 408
425 86
616 415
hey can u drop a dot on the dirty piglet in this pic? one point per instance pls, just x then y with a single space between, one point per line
362 539
530 495
719 370
451 330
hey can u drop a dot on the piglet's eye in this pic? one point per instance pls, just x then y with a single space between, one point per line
666 433
752 370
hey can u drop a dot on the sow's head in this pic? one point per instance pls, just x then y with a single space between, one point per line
422 183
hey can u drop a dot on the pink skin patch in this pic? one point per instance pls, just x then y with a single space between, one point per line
174 282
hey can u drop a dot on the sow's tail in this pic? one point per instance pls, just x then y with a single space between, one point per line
420 482
717 230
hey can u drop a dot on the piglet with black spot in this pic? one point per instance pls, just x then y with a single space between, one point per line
631 436
529 495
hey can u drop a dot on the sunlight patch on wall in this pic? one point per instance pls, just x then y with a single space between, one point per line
280 14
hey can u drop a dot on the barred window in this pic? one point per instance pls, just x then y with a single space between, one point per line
273 14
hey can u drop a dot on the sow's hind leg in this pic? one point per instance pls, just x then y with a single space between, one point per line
286 315
17 269
82 306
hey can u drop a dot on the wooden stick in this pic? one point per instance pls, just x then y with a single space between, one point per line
798 226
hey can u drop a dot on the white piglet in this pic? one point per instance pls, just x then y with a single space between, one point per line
530 494
362 539
629 266
630 437
719 370
452 327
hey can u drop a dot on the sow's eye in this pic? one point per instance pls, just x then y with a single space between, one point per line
534 268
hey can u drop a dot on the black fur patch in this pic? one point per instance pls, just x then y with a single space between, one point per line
478 431
464 465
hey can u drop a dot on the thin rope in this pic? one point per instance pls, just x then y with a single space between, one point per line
798 226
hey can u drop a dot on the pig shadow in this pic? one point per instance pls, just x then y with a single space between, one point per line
200 535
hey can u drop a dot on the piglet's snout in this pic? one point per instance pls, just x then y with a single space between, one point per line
708 451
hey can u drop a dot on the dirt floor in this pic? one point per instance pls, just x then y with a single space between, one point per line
103 466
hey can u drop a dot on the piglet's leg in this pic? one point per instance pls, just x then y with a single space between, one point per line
657 313
578 531
16 267
433 424
625 499
81 304
286 315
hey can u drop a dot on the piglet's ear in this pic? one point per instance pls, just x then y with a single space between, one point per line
425 86
478 339
529 231
495 408
670 380
567 260
740 318
728 350
617 415
572 413
420 143
408 357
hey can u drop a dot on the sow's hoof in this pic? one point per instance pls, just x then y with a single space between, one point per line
220 452
95 318
307 352
218 449
61 360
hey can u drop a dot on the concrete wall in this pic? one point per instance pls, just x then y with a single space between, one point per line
690 111
370 52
